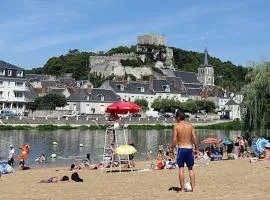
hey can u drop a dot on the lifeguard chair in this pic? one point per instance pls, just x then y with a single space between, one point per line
113 139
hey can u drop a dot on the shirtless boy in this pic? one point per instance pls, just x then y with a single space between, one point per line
184 136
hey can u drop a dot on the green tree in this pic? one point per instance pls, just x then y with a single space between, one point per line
142 102
38 70
122 49
49 101
256 103
207 106
166 105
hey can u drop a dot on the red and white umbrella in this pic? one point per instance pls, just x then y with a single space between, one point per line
211 140
123 108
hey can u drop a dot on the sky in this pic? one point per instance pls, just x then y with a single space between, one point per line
32 31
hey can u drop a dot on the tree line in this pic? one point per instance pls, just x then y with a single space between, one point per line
171 105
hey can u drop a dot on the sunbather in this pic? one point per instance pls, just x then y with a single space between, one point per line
55 180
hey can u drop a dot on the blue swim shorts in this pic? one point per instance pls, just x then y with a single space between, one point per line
185 155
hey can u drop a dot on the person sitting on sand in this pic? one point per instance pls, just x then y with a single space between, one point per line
149 155
55 179
266 153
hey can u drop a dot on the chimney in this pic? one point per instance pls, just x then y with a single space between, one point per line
151 86
89 88
125 83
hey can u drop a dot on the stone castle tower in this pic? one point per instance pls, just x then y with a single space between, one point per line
206 72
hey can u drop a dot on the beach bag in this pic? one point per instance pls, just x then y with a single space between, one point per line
75 177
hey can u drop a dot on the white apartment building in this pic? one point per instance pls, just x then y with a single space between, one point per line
14 92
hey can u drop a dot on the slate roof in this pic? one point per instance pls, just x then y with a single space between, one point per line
231 102
195 86
6 65
160 86
187 77
177 84
132 87
37 77
67 81
82 95
194 92
48 83
56 90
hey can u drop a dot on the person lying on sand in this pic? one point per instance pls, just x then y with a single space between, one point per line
84 165
55 180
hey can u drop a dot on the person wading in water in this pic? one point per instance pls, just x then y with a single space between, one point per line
184 136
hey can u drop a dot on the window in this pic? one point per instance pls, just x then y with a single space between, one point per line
2 72
101 97
120 87
1 93
20 105
9 72
20 73
19 84
1 83
18 94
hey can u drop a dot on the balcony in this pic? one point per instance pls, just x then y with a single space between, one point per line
20 88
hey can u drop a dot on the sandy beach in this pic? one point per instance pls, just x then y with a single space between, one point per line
236 179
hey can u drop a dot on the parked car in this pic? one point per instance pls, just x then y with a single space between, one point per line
224 117
136 115
168 115
7 113
70 115
152 114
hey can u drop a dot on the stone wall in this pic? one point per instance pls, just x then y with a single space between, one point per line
151 39
48 113
138 72
107 65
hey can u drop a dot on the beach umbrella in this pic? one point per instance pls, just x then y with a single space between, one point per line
211 140
5 168
125 150
123 107
258 145
226 142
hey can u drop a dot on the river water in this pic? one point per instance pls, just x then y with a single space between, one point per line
68 148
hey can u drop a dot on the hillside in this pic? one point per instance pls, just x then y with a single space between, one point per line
227 74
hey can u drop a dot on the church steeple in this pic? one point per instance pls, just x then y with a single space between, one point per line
206 72
205 57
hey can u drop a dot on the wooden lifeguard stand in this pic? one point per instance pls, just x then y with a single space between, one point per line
114 137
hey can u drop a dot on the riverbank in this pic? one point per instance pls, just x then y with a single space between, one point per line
215 125
237 179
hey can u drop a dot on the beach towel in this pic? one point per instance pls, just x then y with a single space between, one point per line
5 168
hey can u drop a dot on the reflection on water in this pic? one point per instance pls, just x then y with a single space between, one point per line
93 141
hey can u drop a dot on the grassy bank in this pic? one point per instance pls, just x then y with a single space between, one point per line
149 127
234 125
52 127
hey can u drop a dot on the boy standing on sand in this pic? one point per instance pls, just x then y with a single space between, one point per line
184 136
11 155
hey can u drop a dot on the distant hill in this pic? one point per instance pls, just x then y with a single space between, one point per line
227 74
